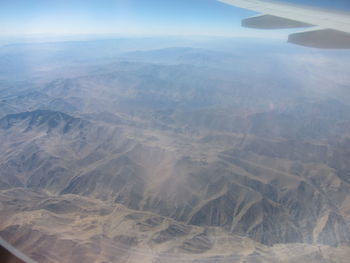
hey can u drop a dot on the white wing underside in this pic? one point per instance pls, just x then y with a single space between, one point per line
333 28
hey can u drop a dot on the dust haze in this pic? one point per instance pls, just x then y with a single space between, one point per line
175 150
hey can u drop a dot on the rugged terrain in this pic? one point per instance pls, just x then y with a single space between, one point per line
176 154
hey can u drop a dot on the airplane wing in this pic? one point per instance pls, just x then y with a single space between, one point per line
329 29
9 254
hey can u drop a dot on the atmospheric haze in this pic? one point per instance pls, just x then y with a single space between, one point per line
161 132
175 150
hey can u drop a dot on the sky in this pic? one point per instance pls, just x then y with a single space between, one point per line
117 16
130 17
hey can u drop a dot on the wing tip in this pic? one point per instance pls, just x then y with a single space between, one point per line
267 21
323 38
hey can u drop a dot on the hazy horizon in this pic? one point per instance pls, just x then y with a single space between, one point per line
161 131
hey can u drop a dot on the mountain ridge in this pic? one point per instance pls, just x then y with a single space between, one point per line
37 118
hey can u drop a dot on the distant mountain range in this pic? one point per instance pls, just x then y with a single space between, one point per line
162 156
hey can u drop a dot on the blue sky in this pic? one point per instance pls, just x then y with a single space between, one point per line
128 17
117 16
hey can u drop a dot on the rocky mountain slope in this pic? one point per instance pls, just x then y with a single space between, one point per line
238 189
177 158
